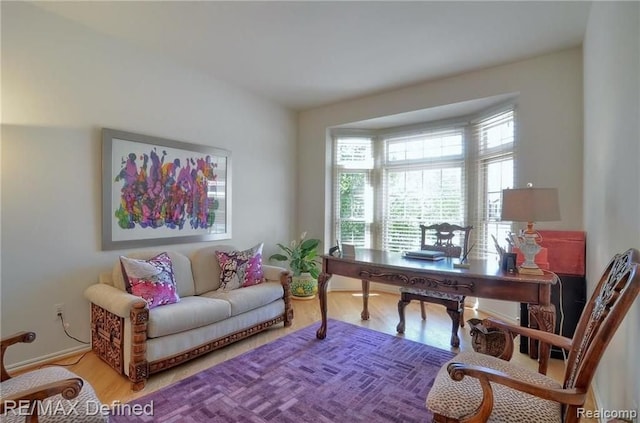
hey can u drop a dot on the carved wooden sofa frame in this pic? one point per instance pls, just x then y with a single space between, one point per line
107 338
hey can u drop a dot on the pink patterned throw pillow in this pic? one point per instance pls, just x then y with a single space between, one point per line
239 269
151 279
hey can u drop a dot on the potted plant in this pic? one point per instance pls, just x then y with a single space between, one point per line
302 256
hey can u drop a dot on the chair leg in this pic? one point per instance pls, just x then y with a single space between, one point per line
401 306
422 311
462 313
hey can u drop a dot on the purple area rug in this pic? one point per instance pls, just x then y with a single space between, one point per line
354 375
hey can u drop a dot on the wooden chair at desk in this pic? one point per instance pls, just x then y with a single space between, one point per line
444 234
474 387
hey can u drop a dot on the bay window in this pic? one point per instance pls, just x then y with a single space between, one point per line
387 183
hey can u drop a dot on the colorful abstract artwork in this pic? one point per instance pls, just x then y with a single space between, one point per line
156 193
162 191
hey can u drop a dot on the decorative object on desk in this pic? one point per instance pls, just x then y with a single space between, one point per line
499 249
348 250
490 341
335 250
302 255
465 255
464 262
508 262
530 205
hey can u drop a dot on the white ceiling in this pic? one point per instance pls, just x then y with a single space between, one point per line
312 53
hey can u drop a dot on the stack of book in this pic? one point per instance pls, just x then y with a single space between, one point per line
425 254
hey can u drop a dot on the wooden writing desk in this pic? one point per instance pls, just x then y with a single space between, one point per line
482 279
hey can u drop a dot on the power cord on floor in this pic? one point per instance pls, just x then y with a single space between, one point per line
65 365
64 328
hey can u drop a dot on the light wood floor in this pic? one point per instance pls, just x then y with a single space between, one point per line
345 306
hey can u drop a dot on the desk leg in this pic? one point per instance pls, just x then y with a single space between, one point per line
365 300
455 319
402 304
323 283
545 317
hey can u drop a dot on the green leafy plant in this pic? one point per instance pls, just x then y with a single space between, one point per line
302 256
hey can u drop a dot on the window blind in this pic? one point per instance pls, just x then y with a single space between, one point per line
494 136
353 194
423 182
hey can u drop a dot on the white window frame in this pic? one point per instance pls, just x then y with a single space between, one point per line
473 186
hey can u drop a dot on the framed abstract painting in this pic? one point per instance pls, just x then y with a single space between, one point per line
157 191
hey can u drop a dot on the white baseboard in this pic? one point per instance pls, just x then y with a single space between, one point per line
49 358
501 316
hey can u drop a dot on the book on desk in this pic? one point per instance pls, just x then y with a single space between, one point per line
432 255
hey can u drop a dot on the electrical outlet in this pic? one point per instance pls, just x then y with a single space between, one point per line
58 310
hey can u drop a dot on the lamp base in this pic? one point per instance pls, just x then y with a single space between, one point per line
530 271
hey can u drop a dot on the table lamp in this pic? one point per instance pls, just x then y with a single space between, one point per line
530 205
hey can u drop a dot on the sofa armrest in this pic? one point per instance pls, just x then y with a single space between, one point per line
282 275
113 300
119 331
273 273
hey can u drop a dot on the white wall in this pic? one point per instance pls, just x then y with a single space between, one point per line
549 92
62 83
612 182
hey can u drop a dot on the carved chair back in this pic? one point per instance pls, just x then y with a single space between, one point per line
444 234
612 298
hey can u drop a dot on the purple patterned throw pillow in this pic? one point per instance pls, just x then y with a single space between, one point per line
239 269
151 279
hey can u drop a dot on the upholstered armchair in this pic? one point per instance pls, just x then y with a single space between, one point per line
51 394
473 387
443 240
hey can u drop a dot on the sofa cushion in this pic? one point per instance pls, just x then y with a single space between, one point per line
240 269
190 313
159 349
150 279
181 270
249 298
206 269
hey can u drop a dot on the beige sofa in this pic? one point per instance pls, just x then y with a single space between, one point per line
137 341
